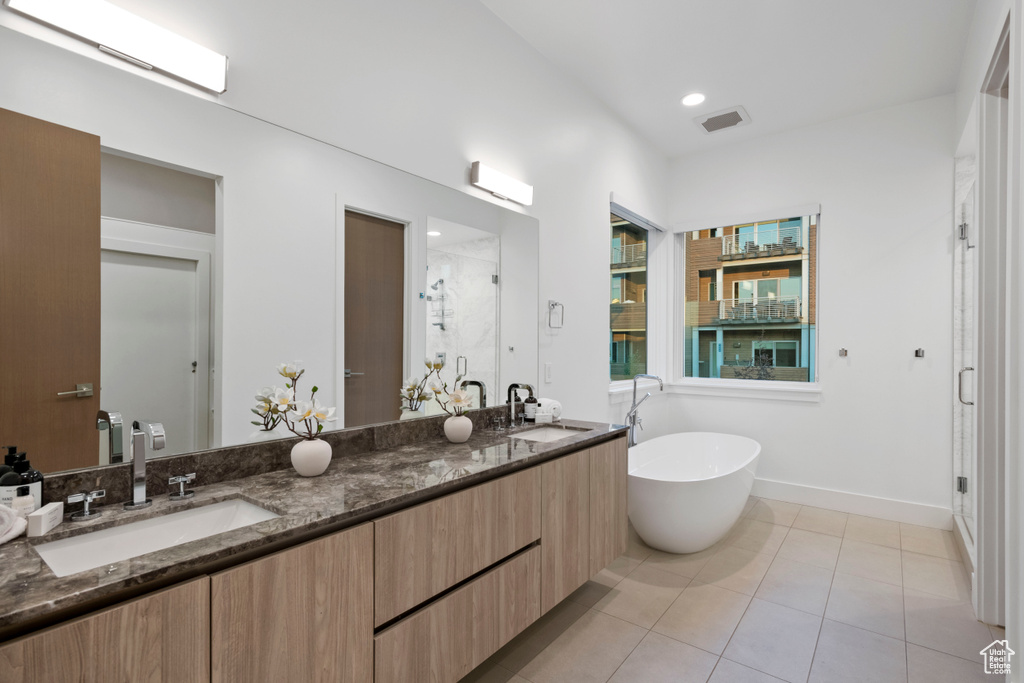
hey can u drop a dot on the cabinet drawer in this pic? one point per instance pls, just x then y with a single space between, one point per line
423 551
163 637
565 531
448 639
302 614
609 509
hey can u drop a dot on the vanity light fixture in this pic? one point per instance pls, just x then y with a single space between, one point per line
125 35
433 233
693 99
501 185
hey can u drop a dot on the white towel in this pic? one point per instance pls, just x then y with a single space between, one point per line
17 530
7 519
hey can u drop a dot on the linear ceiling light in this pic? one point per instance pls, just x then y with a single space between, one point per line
125 35
501 185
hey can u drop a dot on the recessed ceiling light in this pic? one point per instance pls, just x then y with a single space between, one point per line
433 233
693 99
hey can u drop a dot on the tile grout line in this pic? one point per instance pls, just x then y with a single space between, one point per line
903 578
747 609
817 640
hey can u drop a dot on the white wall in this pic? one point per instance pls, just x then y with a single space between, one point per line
884 182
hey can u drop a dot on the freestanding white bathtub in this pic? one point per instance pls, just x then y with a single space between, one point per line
687 490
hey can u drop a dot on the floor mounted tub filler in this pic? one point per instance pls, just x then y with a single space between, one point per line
687 490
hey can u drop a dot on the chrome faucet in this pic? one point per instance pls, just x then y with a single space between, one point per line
632 421
478 384
113 423
143 431
513 397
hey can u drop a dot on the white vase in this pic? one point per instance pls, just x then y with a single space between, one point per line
409 413
458 428
311 458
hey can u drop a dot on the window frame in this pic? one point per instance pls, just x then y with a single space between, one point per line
810 391
655 279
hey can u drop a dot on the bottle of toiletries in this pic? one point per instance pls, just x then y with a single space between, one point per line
530 408
9 459
9 479
23 504
31 478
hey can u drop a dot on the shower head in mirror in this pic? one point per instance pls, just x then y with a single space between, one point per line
437 284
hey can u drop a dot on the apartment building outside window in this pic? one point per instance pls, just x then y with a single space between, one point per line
749 309
628 329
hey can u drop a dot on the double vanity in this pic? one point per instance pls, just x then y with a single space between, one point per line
410 559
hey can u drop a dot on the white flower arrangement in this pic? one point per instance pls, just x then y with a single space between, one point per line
414 392
275 405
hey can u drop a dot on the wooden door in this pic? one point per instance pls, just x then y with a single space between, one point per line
565 530
374 317
49 290
303 614
161 638
609 510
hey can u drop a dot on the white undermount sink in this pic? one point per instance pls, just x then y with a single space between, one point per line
546 434
115 544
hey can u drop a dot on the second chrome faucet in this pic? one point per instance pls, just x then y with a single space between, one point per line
143 431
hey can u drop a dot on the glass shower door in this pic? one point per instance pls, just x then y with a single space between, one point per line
964 308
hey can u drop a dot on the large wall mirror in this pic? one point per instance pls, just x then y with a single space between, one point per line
229 245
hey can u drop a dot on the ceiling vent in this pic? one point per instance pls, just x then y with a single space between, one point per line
721 120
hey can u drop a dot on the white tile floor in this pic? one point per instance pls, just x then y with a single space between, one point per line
793 593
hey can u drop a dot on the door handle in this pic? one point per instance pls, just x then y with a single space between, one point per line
960 386
81 391
349 373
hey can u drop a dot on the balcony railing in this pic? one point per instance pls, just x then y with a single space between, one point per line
629 253
765 242
775 310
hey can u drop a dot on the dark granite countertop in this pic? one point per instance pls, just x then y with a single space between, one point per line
355 488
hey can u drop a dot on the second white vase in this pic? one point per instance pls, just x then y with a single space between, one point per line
310 458
458 428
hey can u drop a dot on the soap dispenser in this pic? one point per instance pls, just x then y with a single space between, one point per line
9 479
530 408
31 478
8 466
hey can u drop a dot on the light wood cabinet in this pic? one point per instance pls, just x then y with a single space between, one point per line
565 533
427 549
446 640
469 561
303 614
609 530
158 638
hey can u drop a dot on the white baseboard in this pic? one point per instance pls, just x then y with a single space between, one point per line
855 503
962 537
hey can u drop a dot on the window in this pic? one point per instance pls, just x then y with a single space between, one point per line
763 326
628 334
782 354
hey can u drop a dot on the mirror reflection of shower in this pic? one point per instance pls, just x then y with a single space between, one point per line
462 305
438 311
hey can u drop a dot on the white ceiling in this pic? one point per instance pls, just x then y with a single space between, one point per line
790 63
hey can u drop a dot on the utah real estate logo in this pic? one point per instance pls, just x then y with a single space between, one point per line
997 657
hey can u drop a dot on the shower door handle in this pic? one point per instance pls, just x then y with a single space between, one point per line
960 386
